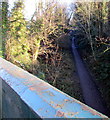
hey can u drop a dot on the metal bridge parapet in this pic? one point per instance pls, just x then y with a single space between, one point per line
26 96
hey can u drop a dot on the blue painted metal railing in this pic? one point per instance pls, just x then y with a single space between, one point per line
34 98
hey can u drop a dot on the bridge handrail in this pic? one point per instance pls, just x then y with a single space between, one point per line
45 100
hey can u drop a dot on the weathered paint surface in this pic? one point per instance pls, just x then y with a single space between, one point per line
45 100
13 106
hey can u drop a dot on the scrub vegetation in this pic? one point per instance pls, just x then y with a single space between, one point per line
92 21
42 45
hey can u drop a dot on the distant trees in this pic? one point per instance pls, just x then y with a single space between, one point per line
17 44
4 23
33 44
48 25
92 19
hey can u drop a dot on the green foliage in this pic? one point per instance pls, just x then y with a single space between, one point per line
17 44
92 19
4 16
44 32
45 29
4 21
41 75
34 45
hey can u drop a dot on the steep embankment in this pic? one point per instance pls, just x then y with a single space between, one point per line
61 72
91 94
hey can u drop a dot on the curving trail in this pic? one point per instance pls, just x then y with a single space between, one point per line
91 94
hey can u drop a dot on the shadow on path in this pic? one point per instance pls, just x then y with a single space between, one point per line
91 94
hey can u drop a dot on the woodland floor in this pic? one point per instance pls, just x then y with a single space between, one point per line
103 85
67 80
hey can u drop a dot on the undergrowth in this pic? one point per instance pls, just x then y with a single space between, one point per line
65 79
100 70
58 70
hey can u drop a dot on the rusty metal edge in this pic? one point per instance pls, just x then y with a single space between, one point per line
27 85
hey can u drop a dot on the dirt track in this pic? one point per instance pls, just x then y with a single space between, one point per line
91 94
